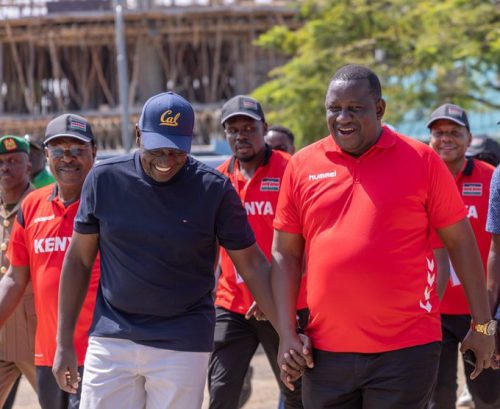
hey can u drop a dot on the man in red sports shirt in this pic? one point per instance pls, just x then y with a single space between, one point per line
40 238
255 171
450 137
361 204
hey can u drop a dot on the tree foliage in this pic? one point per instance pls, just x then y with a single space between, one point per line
425 52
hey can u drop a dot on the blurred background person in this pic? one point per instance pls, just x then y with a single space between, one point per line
450 137
40 175
280 138
484 148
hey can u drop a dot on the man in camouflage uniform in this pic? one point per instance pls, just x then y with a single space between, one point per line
18 333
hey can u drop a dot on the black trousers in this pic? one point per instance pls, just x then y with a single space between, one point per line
236 340
484 389
9 403
50 396
401 379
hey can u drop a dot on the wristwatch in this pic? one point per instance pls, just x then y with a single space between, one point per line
488 328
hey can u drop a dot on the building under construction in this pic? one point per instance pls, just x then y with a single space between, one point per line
59 56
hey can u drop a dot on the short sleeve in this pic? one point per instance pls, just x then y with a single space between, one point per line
493 220
17 252
436 242
85 220
287 217
232 228
445 205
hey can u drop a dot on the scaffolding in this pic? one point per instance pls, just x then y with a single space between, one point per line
59 56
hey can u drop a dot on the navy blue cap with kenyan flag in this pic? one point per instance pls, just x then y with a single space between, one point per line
242 105
450 112
69 125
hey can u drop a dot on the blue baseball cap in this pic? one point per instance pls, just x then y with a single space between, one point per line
167 121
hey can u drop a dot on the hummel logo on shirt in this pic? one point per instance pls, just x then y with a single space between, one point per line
51 244
44 219
325 175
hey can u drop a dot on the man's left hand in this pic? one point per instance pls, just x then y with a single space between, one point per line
483 347
65 369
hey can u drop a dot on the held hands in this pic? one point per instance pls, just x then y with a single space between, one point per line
483 347
65 370
291 362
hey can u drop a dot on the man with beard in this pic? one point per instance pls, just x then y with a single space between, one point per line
255 171
40 238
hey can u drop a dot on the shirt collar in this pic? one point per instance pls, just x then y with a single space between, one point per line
467 168
53 196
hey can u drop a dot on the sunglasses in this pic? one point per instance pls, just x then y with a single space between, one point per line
74 151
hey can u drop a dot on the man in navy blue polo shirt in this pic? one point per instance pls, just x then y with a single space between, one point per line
157 217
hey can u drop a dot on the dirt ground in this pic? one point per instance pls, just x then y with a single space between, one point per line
264 395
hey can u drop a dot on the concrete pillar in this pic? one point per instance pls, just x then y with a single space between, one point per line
151 78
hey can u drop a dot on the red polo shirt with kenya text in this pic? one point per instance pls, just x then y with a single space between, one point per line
371 277
40 238
473 183
259 196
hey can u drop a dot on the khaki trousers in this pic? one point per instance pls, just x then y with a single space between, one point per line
10 371
122 374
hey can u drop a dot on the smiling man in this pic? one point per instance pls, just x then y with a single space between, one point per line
39 241
359 205
157 216
450 136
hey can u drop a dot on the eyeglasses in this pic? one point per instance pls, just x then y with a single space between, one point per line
74 151
454 134
247 130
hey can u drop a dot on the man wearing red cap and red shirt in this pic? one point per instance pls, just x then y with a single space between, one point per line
360 204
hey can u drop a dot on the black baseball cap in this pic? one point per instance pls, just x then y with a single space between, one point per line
451 112
69 125
242 105
35 141
484 148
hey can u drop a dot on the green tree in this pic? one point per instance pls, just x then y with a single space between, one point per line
425 52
